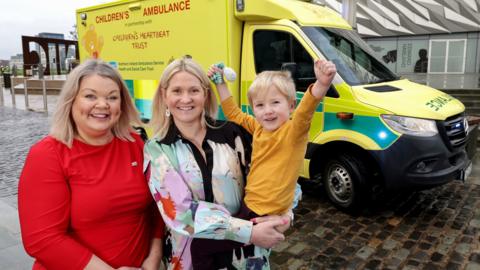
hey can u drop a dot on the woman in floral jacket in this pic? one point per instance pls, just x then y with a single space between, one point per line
197 169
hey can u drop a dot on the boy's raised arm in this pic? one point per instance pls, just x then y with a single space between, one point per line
222 88
324 72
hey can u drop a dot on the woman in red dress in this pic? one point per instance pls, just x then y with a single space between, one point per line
83 199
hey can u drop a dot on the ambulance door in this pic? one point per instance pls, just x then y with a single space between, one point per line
274 47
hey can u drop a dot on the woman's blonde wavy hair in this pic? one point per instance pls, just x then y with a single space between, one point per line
63 127
160 123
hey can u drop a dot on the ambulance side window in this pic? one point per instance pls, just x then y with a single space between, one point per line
269 49
272 49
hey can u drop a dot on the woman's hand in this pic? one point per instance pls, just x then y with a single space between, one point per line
151 263
264 233
96 263
280 228
154 258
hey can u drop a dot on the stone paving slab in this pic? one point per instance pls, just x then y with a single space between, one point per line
12 254
9 217
15 258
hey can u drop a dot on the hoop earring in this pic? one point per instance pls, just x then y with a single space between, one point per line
167 112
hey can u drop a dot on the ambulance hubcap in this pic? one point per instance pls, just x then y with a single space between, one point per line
340 184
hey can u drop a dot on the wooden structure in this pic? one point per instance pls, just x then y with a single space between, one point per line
32 59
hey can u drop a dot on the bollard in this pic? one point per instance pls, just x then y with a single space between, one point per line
1 92
26 93
44 89
12 92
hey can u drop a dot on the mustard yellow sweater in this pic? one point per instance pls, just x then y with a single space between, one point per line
276 158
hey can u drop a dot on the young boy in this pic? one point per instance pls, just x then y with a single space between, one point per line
279 141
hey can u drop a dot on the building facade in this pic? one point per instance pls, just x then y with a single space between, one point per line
17 61
421 36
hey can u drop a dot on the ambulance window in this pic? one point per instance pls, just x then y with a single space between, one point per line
272 49
269 49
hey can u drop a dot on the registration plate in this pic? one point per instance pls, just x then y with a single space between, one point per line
465 173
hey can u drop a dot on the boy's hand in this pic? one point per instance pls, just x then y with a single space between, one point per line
324 72
215 73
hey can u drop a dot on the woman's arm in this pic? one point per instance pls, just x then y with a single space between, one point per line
44 210
183 214
96 263
152 262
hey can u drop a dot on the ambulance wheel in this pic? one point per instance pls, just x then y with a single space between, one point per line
344 182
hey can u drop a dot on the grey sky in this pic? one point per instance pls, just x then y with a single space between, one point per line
30 17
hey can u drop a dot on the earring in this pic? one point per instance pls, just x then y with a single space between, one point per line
167 112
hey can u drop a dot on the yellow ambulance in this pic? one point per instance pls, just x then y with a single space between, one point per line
373 131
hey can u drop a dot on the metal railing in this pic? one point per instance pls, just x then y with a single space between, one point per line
33 81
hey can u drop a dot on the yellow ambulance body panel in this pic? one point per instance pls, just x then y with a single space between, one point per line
371 130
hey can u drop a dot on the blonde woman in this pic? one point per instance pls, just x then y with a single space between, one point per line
197 173
83 199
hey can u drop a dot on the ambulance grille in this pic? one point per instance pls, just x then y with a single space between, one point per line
453 130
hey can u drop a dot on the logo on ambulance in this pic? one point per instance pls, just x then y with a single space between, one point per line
92 42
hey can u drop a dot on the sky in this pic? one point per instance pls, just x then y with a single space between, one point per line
30 17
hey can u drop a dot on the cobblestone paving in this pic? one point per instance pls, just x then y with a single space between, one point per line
433 229
19 129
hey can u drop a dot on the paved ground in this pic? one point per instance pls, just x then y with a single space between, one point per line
434 229
19 129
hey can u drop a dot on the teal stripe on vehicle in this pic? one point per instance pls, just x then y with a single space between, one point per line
144 106
370 126
247 109
221 114
129 84
300 96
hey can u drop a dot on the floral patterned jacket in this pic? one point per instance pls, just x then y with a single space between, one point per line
197 197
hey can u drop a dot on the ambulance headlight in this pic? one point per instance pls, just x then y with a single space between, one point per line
411 126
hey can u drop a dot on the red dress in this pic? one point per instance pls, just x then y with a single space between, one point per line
86 200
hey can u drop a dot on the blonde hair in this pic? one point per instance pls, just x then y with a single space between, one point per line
160 123
281 80
63 127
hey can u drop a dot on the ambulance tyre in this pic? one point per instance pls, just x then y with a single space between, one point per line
344 182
